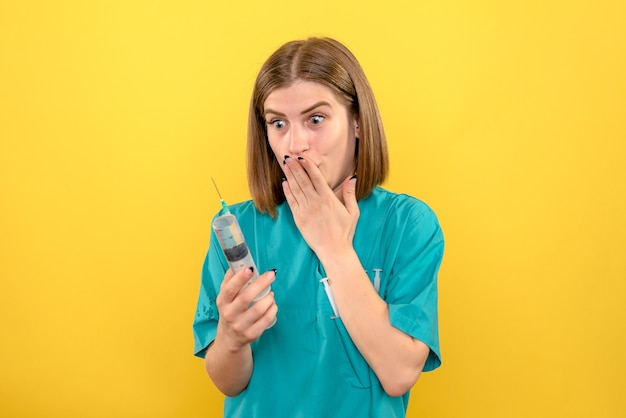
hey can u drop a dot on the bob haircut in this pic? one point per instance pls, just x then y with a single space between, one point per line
328 62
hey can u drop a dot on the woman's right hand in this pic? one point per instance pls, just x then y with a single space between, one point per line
229 358
242 321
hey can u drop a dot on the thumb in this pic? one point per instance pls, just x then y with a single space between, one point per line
349 195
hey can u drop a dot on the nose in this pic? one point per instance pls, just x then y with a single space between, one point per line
298 140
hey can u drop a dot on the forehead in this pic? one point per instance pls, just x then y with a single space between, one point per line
300 94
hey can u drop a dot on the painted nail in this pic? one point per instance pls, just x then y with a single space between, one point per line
300 159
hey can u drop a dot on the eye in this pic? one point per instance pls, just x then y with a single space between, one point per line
277 123
317 119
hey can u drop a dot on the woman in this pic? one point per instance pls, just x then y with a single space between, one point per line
353 267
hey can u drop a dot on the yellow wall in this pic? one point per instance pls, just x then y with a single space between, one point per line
509 119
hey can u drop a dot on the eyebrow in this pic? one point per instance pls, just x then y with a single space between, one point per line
307 110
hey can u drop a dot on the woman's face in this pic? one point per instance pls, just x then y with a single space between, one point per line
306 120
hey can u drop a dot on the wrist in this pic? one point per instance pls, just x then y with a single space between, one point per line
229 344
340 260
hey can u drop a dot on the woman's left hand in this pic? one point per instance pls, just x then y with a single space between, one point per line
326 223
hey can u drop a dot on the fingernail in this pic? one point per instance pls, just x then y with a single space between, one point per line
352 180
353 177
284 180
300 159
251 270
272 274
286 156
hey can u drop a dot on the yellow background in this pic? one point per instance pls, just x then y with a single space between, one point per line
508 118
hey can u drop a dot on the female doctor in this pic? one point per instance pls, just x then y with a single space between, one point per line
352 267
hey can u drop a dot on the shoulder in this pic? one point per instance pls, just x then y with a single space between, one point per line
397 205
242 209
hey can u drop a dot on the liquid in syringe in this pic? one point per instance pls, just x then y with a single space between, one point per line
234 245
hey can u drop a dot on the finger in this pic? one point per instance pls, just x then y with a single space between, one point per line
289 175
260 307
248 324
290 186
262 314
255 290
304 187
349 195
229 274
235 309
269 315
233 283
293 192
315 176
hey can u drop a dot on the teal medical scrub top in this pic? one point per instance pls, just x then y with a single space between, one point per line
306 365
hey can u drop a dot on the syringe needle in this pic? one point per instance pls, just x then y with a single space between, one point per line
224 205
216 189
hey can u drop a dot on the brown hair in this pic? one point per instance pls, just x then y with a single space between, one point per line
328 62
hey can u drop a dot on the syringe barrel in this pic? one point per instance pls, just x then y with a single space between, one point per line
235 248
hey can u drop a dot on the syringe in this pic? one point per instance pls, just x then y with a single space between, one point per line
234 245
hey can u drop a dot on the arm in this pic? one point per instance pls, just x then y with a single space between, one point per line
228 360
328 226
396 358
230 369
